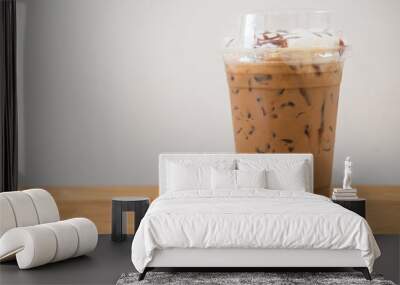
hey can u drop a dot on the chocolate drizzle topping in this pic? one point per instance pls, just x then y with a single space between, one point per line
271 39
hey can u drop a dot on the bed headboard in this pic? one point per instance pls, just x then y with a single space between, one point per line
165 157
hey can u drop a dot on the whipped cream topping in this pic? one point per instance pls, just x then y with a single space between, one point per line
298 45
299 38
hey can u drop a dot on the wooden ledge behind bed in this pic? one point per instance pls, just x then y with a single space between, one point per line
383 204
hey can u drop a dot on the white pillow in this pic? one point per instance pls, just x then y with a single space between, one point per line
189 174
293 179
237 179
281 174
223 179
185 177
251 178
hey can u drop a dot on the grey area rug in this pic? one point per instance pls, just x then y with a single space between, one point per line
269 278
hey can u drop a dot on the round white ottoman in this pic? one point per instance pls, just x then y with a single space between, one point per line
51 242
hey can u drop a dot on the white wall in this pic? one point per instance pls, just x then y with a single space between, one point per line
107 85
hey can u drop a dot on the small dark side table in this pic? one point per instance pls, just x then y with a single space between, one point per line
356 205
121 205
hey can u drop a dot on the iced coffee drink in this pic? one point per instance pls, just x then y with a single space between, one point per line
284 89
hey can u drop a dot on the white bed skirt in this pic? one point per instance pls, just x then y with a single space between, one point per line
191 257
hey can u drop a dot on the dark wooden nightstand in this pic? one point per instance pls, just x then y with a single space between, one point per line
356 205
121 205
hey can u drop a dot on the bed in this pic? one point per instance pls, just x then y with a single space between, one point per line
247 210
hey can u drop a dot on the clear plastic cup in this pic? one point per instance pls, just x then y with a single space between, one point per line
284 72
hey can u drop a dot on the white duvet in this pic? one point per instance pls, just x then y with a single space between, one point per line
250 219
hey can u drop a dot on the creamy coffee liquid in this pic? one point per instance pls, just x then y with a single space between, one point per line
286 103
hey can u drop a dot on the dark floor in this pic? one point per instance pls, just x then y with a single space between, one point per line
110 260
103 266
